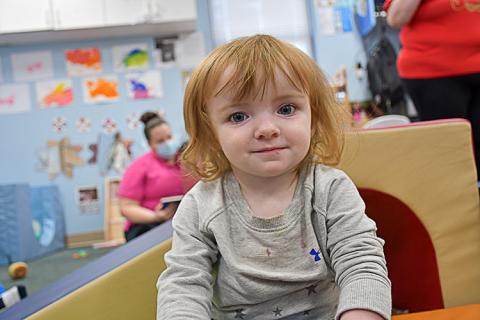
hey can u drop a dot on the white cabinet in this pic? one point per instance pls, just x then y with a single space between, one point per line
36 19
25 15
126 12
78 14
167 10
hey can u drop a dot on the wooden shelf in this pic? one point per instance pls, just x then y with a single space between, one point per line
113 221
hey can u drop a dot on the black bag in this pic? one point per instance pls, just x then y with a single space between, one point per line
384 81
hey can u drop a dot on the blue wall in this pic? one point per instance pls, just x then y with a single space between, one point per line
331 51
23 134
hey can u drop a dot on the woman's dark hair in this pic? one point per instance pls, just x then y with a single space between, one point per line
151 120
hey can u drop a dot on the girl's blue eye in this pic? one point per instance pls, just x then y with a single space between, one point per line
238 117
286 109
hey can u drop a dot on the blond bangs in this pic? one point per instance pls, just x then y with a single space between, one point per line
252 63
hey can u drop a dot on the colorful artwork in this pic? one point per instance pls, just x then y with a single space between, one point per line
32 65
101 89
14 98
144 85
87 199
130 57
333 17
56 93
83 61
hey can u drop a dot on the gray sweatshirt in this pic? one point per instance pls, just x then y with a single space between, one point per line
318 259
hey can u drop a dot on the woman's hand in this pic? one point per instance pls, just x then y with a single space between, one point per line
167 213
401 12
135 213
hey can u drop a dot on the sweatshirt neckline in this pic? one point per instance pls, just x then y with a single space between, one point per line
242 209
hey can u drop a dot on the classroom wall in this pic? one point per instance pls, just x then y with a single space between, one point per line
342 48
23 135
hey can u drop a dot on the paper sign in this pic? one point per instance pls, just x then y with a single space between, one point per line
14 98
130 57
87 200
164 52
326 20
54 93
32 65
100 89
190 50
144 85
83 61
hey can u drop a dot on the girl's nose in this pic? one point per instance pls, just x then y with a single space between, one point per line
266 129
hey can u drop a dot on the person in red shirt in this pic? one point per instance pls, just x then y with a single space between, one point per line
439 61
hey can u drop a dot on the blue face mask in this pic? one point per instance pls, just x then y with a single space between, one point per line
168 149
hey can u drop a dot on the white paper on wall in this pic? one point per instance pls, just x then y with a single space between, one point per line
190 50
100 89
164 54
32 65
14 98
326 20
83 61
144 85
54 93
87 200
130 57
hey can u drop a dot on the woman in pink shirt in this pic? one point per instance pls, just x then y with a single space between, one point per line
154 175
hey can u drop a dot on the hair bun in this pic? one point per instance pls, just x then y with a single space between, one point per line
149 115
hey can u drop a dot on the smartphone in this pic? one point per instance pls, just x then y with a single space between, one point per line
171 199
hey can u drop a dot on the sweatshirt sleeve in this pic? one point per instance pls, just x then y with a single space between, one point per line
356 252
185 287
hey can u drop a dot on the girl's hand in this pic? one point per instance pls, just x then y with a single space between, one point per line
358 314
166 213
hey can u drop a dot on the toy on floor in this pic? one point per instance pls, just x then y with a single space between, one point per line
12 296
80 254
18 270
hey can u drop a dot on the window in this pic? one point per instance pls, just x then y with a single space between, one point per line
284 19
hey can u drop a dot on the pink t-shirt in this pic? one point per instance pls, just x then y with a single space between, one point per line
148 179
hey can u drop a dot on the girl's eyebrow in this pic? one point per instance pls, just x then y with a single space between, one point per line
286 96
296 95
233 105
